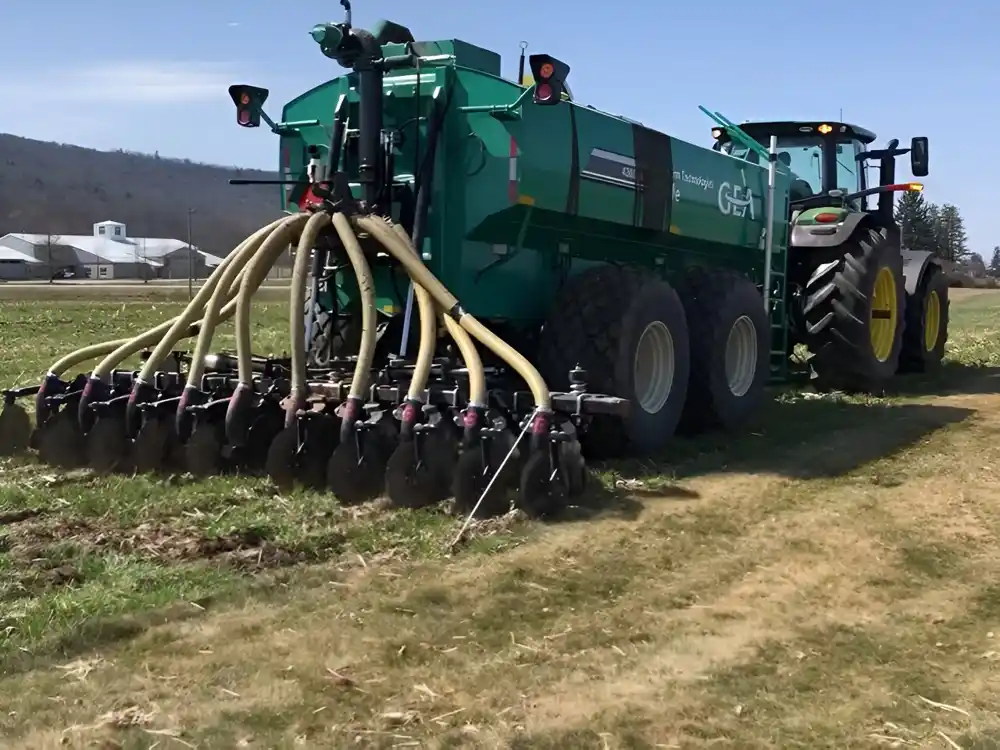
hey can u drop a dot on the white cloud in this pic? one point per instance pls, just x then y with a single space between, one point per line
125 82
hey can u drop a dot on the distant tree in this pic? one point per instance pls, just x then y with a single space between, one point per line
995 261
916 222
952 241
51 241
976 265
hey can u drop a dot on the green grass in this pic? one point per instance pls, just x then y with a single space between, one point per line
670 608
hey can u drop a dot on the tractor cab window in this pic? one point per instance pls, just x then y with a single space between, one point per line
848 169
802 155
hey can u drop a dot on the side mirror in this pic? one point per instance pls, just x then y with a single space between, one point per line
249 101
918 157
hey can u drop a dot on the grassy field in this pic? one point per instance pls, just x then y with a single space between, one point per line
829 579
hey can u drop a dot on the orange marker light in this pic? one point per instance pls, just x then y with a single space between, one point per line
824 129
546 70
915 187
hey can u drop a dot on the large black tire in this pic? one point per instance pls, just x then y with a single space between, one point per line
333 335
597 322
926 332
730 349
854 351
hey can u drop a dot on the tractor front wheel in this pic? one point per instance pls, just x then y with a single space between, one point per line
628 330
854 314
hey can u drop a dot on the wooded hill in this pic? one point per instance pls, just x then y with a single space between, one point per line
53 188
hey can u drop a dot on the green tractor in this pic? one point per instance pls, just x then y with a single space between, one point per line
864 306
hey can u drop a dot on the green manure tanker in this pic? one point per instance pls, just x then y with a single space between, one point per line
678 277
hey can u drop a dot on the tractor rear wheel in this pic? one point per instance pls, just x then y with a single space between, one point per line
628 330
333 334
854 312
926 331
730 349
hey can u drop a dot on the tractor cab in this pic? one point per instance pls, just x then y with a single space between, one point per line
827 157
820 156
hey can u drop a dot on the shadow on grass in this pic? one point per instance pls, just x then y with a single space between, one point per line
953 378
802 438
621 501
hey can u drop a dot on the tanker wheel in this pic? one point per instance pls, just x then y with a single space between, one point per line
730 349
333 335
854 314
628 330
15 430
926 331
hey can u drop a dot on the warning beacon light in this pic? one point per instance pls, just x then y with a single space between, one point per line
550 78
249 101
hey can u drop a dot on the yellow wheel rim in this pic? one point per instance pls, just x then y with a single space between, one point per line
932 321
883 315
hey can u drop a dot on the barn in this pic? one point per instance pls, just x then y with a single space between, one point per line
108 253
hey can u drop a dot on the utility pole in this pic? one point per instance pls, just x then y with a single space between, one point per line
190 258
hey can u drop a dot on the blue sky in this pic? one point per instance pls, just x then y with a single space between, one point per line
153 76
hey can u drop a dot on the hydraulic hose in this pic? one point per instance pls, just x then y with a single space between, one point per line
466 347
473 362
297 318
383 232
428 332
475 412
237 424
216 313
193 311
53 378
366 349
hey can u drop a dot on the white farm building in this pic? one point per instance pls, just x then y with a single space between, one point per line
108 253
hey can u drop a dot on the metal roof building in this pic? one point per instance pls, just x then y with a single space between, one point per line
107 253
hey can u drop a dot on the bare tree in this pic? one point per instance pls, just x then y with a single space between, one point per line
51 241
